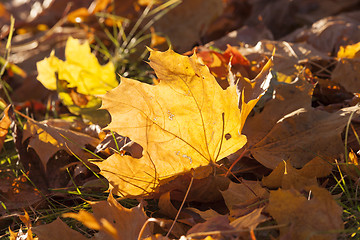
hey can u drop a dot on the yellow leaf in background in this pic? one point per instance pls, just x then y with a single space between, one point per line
78 80
47 69
184 122
81 70
349 51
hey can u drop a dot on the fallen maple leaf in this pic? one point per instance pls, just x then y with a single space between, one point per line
329 33
251 90
288 55
81 70
57 230
220 64
166 207
302 135
4 126
317 219
349 66
46 140
78 79
17 194
203 188
218 223
250 220
185 24
239 193
184 122
113 220
286 99
285 176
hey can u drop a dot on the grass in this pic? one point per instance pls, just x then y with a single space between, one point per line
348 192
125 54
346 176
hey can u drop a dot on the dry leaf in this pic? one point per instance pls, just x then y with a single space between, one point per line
4 126
247 34
188 22
18 194
113 220
206 215
203 189
287 98
317 219
329 33
166 207
249 221
184 122
285 176
57 230
287 54
220 64
349 66
20 235
46 140
245 191
78 79
218 223
250 91
302 135
282 16
156 39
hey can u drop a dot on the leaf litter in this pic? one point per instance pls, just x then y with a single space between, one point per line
188 143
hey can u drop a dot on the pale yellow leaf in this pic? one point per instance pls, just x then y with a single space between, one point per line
184 122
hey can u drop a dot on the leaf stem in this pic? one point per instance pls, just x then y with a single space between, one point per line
145 225
236 161
182 204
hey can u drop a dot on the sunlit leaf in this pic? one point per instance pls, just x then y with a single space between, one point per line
80 75
184 122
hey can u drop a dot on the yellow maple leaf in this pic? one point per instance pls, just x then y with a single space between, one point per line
113 221
185 122
81 71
